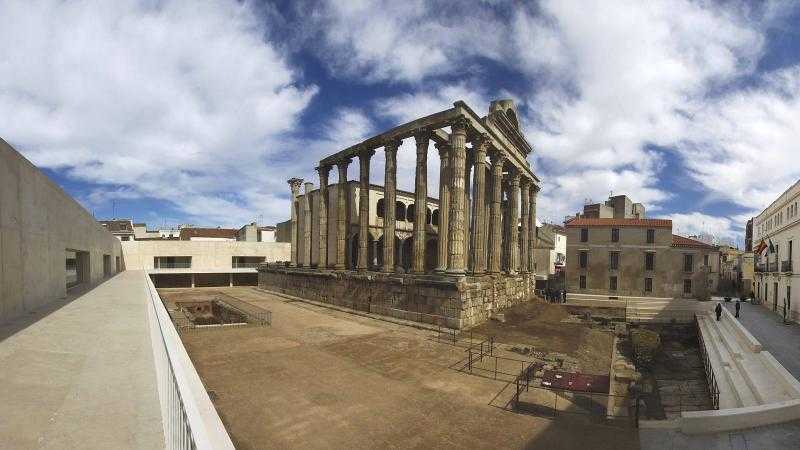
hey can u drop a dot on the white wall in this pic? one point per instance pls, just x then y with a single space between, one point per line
38 223
206 255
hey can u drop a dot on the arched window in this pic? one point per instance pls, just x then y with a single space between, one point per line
380 207
435 217
410 212
428 216
400 211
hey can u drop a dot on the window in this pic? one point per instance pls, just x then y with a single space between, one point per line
584 257
125 238
583 281
613 260
649 261
688 263
687 286
705 260
615 235
651 236
648 285
381 207
612 283
584 235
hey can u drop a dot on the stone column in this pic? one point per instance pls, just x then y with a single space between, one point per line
422 138
513 254
390 198
534 191
294 184
524 233
444 204
323 216
363 209
456 263
468 262
341 215
307 224
495 255
478 231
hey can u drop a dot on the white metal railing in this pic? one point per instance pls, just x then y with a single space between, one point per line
190 419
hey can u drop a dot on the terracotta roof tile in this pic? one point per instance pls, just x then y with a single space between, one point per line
650 223
680 241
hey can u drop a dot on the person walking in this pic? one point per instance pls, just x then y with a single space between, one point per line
738 307
718 310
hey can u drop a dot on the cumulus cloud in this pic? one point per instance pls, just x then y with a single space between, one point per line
177 100
608 82
699 224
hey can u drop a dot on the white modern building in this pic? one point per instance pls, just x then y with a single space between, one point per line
776 232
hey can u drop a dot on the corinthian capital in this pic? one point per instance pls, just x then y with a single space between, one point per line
483 142
460 125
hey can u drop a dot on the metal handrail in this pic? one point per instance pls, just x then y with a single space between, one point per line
189 418
713 388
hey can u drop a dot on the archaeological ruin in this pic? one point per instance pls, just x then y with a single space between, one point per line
452 261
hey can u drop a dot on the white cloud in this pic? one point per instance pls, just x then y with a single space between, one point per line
743 146
696 224
611 78
178 100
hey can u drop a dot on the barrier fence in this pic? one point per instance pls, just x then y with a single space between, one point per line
189 418
713 389
536 399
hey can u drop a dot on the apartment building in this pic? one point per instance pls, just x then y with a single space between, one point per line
776 232
122 229
616 207
631 257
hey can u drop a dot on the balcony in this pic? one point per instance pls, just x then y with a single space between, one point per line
786 266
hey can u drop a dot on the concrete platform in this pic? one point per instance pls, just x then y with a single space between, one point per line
80 374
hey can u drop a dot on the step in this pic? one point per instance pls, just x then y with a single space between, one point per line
727 395
730 354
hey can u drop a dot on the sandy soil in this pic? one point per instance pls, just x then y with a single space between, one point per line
319 378
541 326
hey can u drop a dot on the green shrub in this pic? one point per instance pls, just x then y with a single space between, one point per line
646 344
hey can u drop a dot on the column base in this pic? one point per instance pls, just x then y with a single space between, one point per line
456 272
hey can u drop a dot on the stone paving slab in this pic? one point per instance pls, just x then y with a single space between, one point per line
783 341
81 373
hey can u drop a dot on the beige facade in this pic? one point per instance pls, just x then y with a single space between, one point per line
776 232
39 224
636 258
205 256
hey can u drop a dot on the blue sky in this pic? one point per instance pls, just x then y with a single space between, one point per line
197 112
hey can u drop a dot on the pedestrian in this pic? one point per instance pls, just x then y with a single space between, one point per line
563 296
718 310
738 307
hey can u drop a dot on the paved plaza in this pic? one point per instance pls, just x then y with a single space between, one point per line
80 373
783 341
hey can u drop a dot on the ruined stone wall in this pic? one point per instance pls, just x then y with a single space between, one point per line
455 303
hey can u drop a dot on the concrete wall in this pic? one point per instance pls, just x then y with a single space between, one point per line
38 223
206 255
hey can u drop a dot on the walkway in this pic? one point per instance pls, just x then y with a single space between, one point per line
783 341
81 373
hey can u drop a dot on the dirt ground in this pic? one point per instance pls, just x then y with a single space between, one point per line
547 328
319 378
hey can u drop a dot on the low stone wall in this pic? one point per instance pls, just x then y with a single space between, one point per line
449 301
